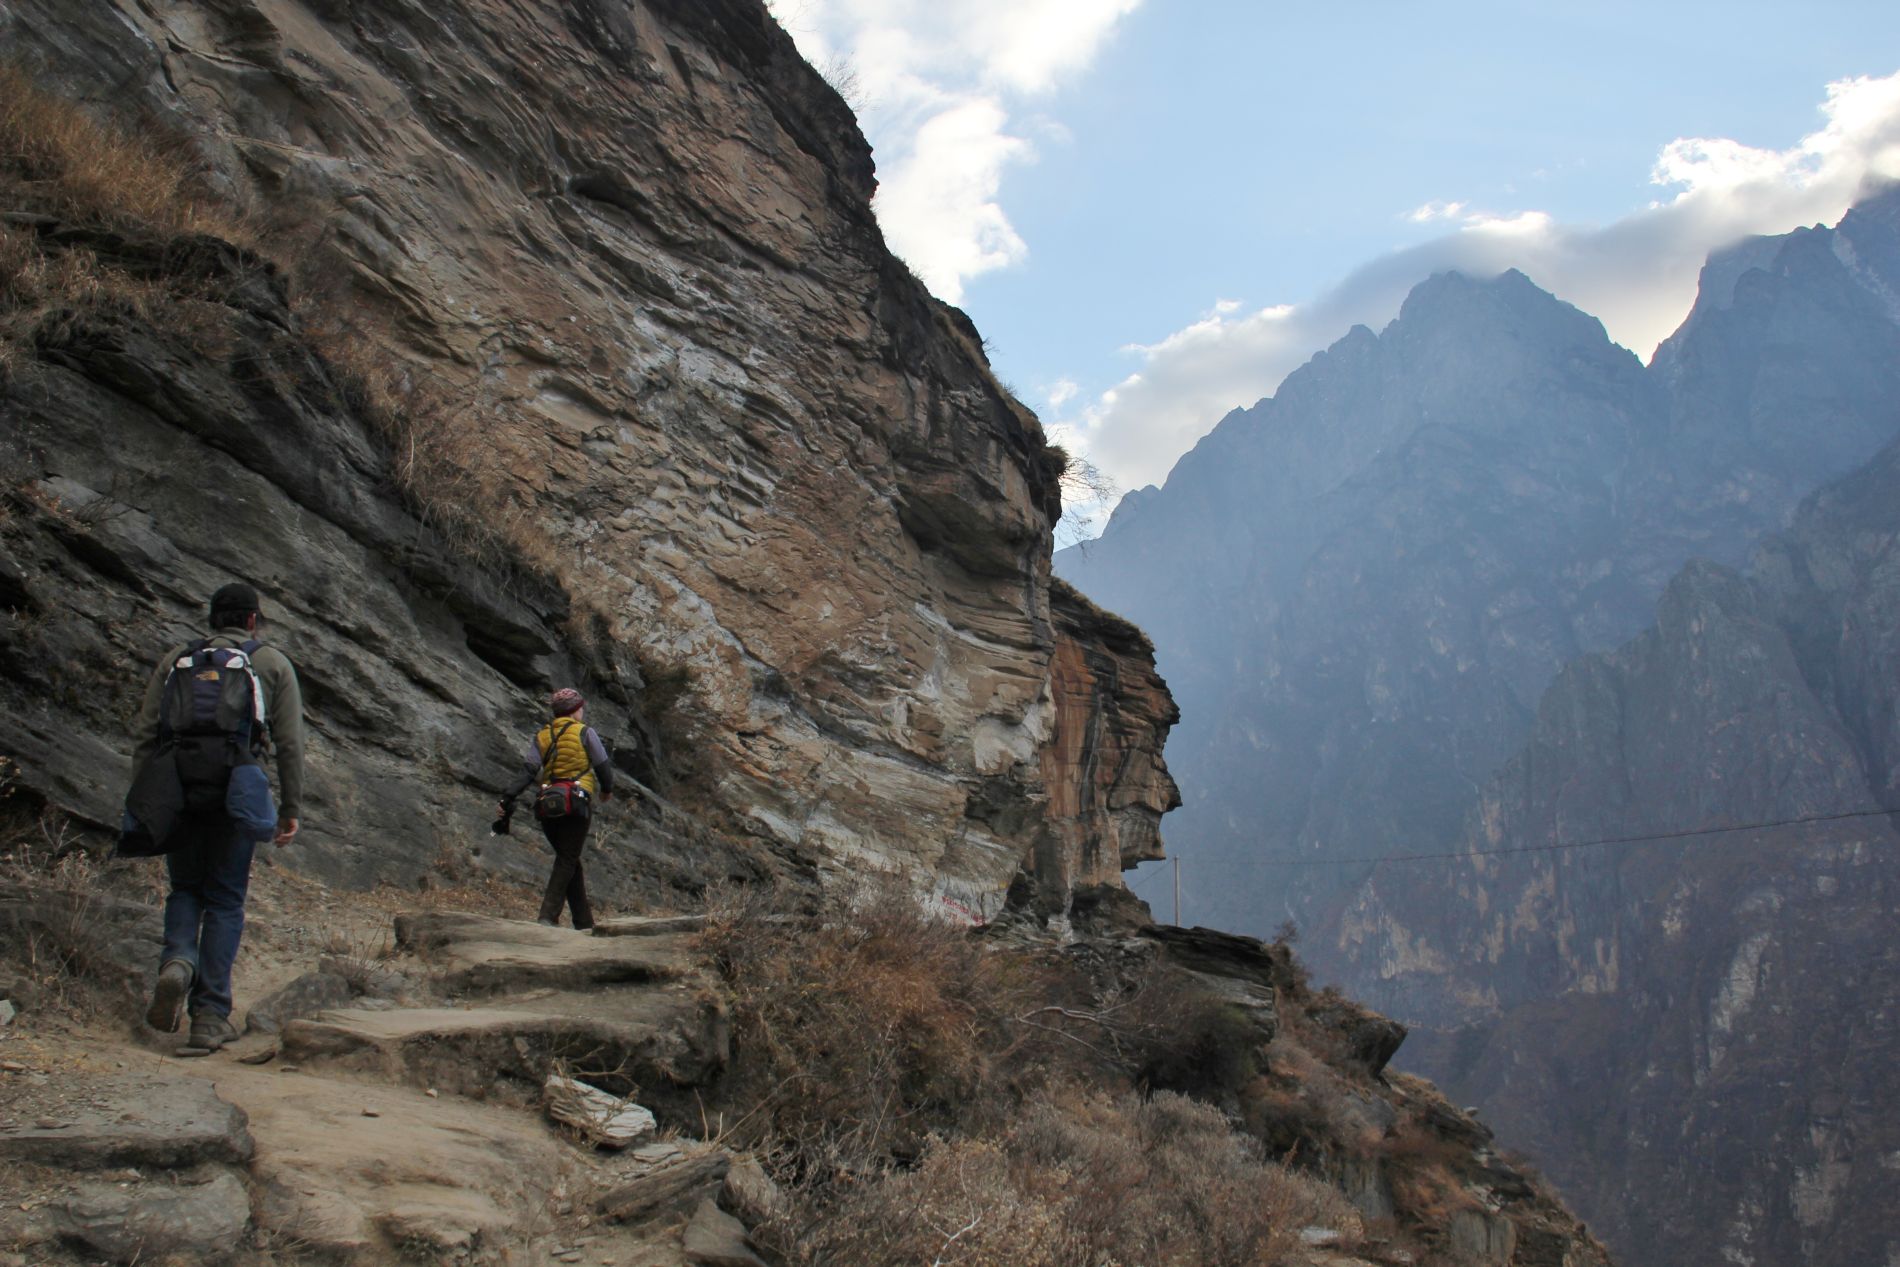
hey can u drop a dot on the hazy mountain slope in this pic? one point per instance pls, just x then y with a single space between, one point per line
1696 1038
1359 588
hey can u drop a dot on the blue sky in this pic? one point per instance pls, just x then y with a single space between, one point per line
1154 210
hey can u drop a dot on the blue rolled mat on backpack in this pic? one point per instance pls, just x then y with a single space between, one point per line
248 803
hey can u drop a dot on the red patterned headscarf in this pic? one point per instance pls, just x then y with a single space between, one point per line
565 701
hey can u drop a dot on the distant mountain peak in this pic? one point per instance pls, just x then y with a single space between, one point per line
1472 306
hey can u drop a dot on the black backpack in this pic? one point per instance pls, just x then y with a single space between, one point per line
212 718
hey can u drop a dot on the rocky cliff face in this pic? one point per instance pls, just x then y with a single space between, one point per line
1111 787
752 487
1697 1034
533 344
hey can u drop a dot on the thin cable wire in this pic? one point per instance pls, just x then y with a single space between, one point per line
1607 841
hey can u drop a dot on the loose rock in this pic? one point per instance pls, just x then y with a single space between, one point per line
716 1239
203 1223
750 1193
606 1120
308 995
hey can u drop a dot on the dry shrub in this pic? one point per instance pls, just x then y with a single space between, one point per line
1184 1038
1425 1171
1077 1180
1289 1119
857 1028
866 1024
916 1087
56 160
34 284
64 909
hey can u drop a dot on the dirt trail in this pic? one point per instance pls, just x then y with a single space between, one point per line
405 1127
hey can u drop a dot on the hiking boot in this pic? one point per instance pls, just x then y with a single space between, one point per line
168 996
211 1031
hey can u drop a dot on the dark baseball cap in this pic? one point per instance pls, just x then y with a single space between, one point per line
236 597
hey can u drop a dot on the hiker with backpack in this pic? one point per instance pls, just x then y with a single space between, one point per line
200 797
569 763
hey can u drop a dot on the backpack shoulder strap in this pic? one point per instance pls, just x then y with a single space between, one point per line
178 659
259 706
554 744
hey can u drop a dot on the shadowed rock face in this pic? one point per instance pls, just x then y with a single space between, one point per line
632 243
1698 1036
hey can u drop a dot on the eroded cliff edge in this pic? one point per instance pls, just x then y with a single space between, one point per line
666 419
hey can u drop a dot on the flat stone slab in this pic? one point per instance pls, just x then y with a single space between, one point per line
483 954
135 1120
648 925
147 1222
308 995
380 1174
659 1038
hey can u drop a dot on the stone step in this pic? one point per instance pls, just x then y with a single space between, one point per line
134 1120
648 925
358 1173
653 1042
481 954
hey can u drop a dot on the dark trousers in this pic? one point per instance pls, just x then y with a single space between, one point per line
210 872
566 885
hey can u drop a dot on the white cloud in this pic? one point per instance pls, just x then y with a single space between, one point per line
1638 274
1060 393
935 83
1435 211
938 205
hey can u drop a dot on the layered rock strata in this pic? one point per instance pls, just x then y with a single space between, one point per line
1108 785
622 259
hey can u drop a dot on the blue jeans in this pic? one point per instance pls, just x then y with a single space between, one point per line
204 917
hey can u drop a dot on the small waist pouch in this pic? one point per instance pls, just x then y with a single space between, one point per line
562 798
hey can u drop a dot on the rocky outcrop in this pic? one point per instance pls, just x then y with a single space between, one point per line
617 267
1694 1035
1305 1072
1360 588
1107 785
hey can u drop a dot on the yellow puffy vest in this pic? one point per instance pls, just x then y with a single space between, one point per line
564 754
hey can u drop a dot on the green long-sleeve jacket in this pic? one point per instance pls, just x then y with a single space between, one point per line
283 710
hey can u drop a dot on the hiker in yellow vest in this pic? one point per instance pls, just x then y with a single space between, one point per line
568 762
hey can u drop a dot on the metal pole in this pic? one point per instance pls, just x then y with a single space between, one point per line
1177 891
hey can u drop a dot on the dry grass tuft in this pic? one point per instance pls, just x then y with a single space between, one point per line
445 450
1079 1179
918 1090
56 160
866 1025
62 905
